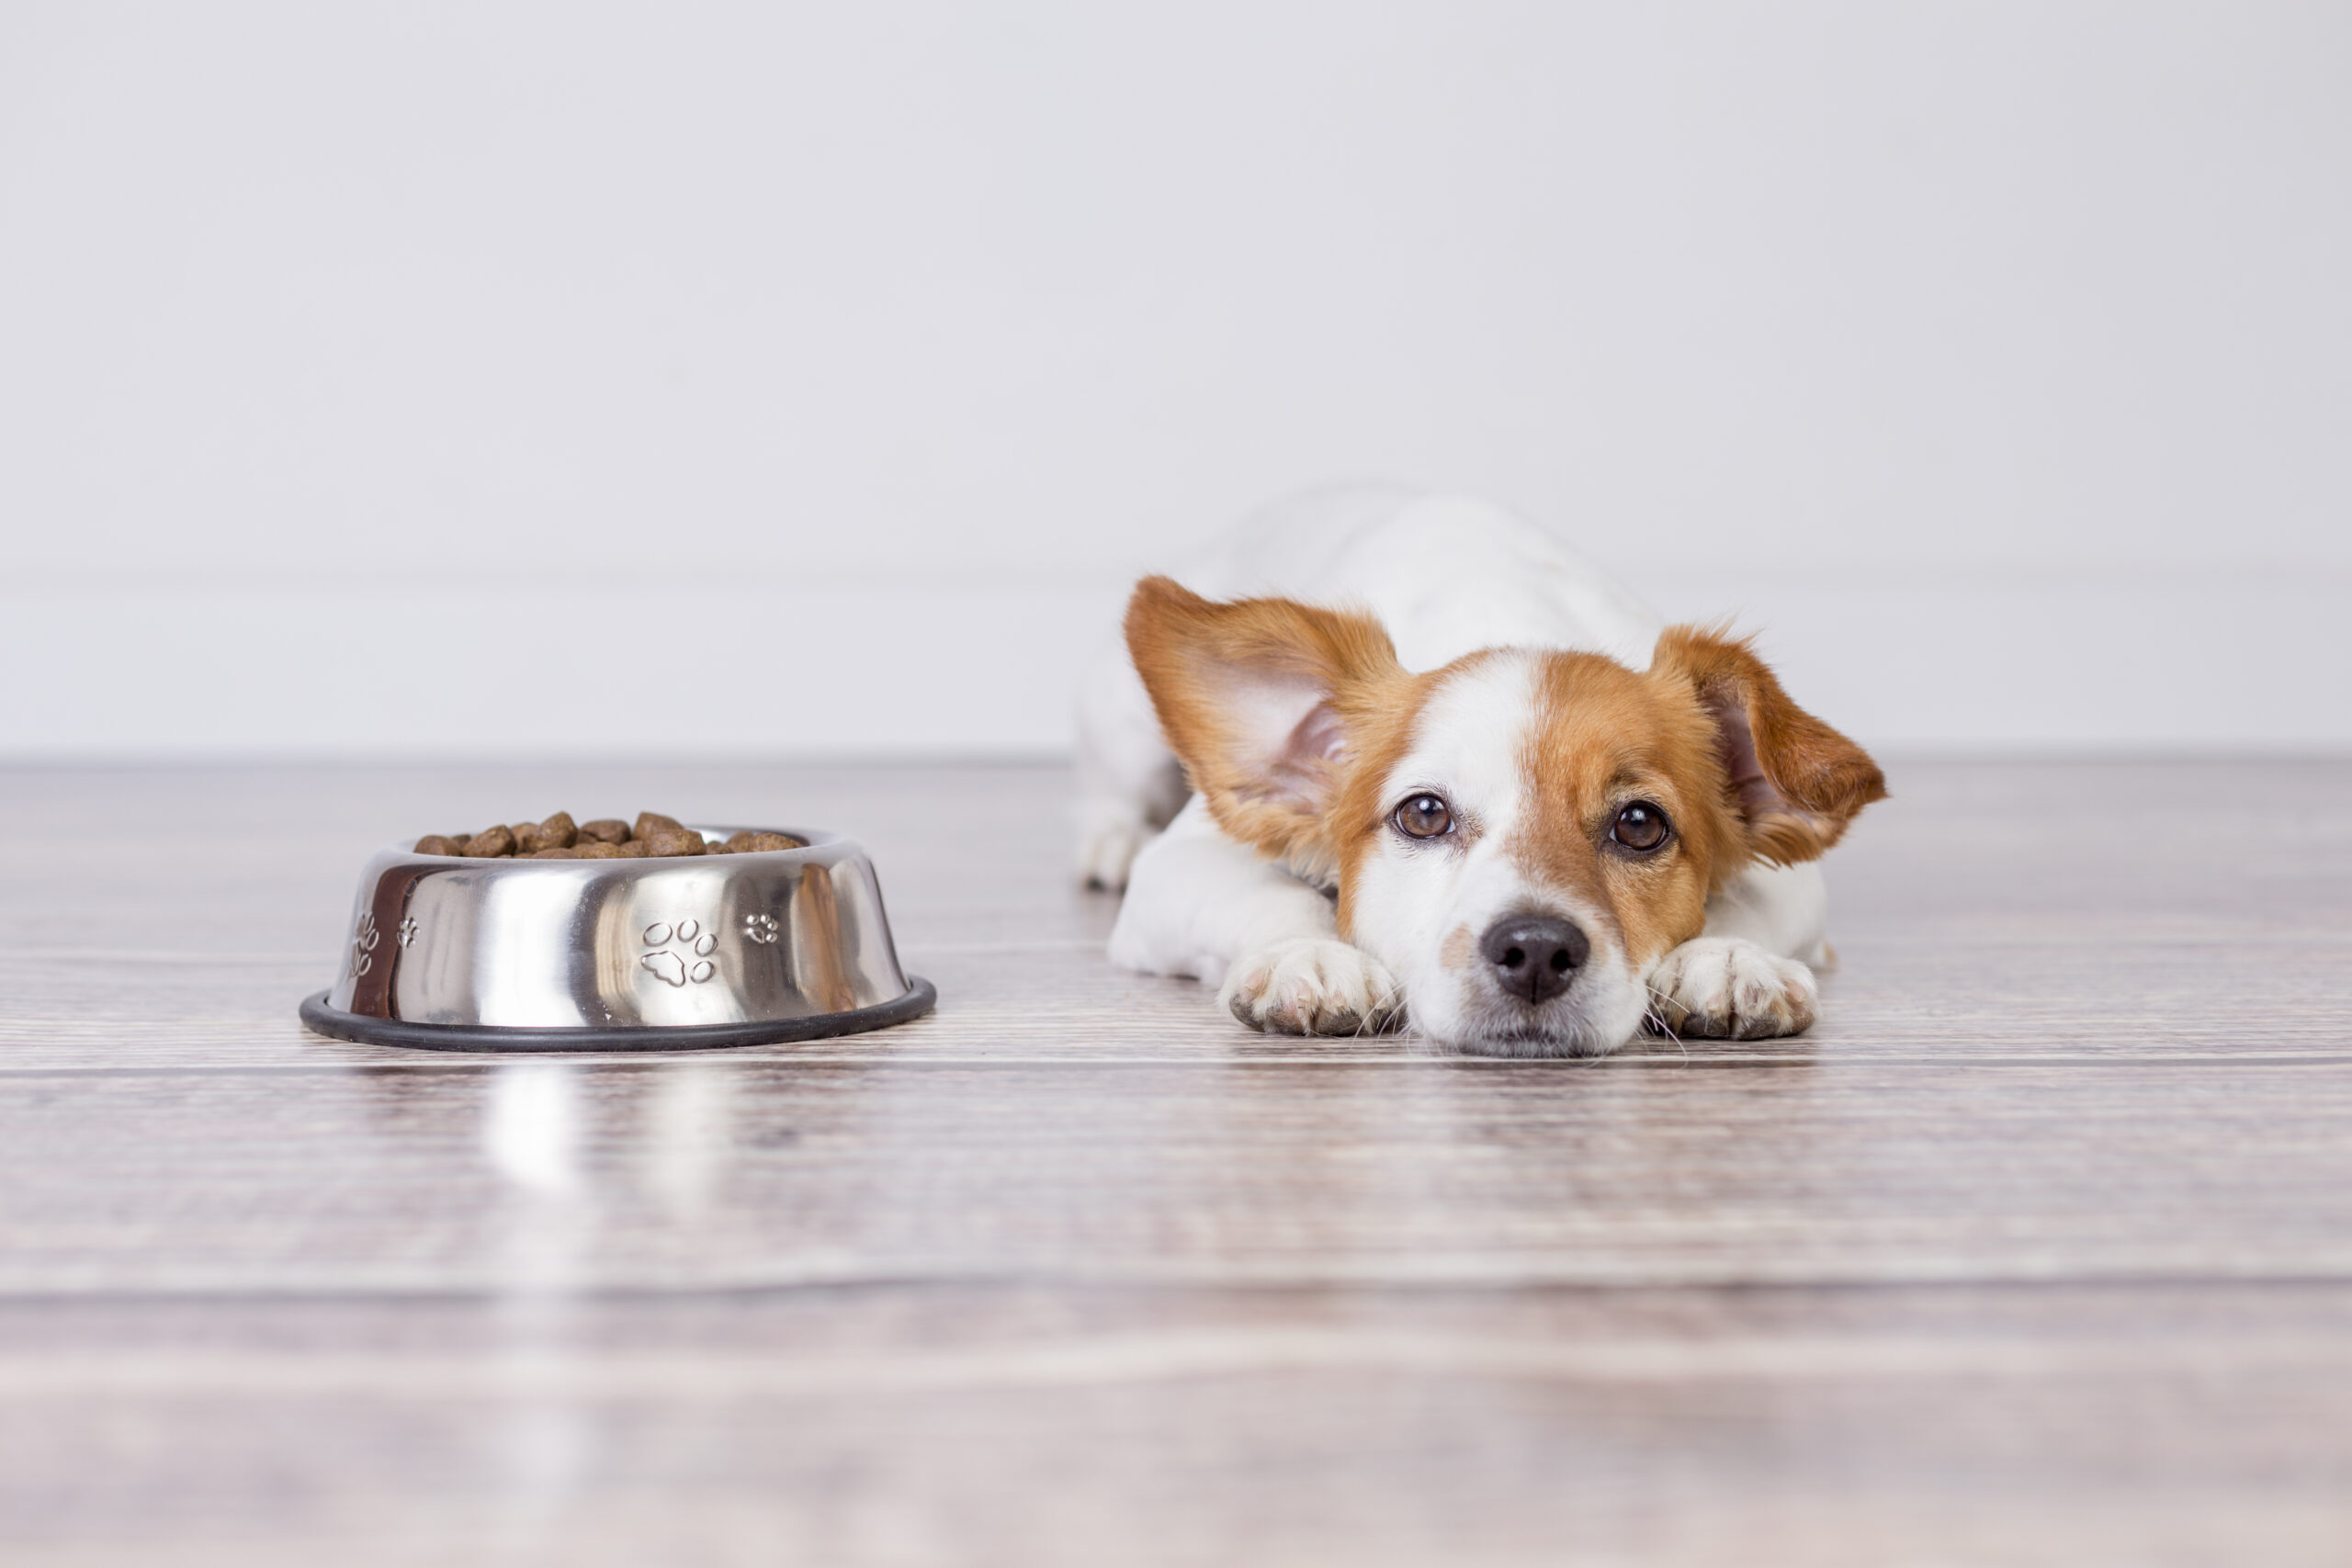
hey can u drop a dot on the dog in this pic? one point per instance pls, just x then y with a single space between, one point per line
1390 758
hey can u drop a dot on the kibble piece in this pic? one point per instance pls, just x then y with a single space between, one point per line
440 844
666 842
594 849
749 842
556 851
651 822
491 843
604 830
556 833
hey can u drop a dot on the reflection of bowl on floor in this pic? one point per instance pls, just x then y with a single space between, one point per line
618 955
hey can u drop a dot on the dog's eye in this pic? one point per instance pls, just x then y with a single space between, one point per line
1423 817
1640 825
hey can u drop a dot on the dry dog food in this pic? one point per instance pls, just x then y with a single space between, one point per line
608 838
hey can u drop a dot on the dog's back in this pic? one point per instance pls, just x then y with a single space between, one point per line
1445 574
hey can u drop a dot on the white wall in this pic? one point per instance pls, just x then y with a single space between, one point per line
564 378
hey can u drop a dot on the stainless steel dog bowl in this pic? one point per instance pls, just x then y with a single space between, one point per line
618 955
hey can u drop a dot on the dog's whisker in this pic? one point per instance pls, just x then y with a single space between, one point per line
1656 1016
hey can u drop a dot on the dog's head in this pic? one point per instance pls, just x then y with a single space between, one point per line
1520 836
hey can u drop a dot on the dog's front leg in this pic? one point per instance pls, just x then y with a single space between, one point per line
1200 904
1128 781
1750 975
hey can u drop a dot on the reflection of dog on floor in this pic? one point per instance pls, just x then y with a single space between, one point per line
1448 772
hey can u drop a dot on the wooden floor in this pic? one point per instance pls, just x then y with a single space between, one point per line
2038 1249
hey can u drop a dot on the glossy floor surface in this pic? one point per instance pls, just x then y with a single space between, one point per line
2038 1249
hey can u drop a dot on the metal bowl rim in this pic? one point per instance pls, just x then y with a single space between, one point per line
818 839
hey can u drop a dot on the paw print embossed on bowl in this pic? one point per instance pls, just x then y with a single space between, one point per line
363 938
519 954
689 962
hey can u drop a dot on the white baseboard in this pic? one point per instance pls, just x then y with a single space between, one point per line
836 667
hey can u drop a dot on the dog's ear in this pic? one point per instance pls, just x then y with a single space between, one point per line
1791 779
1254 697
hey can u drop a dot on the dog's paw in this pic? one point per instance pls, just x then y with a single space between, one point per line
1106 850
1312 985
1726 988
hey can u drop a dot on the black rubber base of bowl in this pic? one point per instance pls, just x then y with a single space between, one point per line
336 1024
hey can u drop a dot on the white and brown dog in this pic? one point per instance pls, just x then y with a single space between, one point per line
1445 771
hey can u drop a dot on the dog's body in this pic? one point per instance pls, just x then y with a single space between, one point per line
1367 841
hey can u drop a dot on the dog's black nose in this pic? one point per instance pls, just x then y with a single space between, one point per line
1535 956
